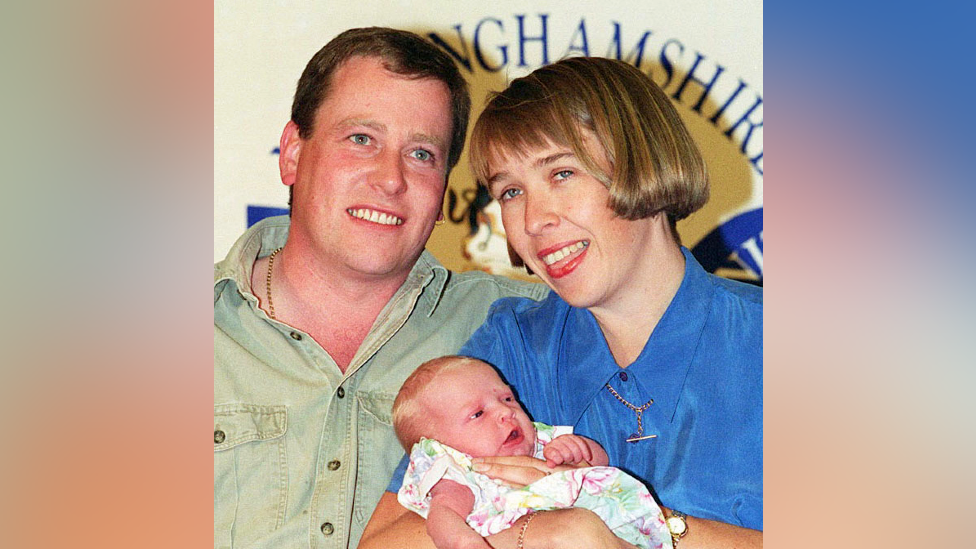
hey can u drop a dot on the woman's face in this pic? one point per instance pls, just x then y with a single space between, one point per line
557 218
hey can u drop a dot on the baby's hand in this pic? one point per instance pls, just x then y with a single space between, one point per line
567 449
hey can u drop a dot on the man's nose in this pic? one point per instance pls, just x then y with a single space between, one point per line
389 173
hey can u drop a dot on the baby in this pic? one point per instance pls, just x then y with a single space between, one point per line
454 408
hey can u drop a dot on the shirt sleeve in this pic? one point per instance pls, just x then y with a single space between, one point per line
483 342
398 474
498 341
428 464
545 433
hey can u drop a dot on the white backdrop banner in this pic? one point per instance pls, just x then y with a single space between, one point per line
707 56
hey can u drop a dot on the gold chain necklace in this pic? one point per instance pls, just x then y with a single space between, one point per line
268 286
637 410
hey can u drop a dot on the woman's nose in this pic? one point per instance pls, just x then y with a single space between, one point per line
539 214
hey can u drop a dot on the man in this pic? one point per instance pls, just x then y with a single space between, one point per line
319 318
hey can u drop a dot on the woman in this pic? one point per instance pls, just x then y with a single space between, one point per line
641 350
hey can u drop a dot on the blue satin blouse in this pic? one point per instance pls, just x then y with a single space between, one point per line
702 367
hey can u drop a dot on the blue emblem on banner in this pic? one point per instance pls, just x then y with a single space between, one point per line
257 213
736 244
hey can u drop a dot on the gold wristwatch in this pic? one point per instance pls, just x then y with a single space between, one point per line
677 526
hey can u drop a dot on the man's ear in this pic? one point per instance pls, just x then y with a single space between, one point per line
290 149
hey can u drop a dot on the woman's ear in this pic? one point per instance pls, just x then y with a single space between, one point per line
290 149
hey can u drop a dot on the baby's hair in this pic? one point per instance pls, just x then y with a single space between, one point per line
409 416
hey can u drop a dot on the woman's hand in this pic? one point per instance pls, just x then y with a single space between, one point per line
566 529
516 471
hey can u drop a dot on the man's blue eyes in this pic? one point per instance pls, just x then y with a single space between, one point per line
419 154
422 155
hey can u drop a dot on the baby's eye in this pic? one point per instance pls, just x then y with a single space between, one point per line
509 399
509 194
477 414
422 155
360 139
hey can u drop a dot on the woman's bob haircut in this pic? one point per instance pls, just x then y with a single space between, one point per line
655 166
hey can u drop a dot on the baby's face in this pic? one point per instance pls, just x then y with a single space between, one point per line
473 411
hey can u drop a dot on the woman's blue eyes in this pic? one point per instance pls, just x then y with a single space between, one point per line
561 175
509 193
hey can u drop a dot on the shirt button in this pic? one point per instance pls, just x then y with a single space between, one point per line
341 392
327 528
296 336
219 436
334 464
623 376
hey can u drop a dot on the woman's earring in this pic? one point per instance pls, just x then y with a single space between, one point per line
440 219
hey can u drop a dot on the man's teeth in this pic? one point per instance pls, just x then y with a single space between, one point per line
374 216
564 252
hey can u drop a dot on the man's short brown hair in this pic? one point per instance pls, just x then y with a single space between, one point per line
403 53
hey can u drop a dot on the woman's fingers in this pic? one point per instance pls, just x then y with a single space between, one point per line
515 470
515 461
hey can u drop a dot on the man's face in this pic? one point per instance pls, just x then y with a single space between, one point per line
473 411
369 181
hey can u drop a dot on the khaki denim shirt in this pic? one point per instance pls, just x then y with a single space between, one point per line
302 452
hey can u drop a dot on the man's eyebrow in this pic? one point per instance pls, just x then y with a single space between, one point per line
372 124
429 139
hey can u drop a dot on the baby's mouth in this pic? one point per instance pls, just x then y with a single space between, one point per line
514 435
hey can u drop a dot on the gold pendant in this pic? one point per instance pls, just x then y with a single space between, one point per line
635 438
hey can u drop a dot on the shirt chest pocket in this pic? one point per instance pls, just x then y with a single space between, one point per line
250 472
379 450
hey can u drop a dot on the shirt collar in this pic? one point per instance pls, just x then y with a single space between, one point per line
259 240
663 364
668 354
271 233
431 278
